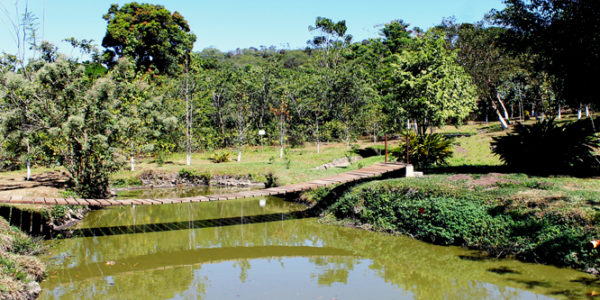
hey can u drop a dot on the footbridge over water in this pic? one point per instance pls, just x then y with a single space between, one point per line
376 170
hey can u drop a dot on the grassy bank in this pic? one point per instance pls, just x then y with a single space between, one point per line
20 270
297 165
544 220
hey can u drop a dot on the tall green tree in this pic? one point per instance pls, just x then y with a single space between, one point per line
563 36
328 46
489 65
152 36
428 85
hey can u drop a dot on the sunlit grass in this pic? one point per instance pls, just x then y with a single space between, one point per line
256 163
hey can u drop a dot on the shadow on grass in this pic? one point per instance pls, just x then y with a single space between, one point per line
467 169
49 179
485 169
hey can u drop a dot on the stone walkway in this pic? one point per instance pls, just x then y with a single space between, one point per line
367 172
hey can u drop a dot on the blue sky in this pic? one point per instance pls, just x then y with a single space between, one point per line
227 25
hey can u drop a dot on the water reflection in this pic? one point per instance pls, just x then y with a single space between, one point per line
222 255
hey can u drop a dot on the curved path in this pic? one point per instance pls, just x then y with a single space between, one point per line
375 170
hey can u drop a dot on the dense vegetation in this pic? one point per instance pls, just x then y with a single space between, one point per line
140 97
147 94
553 226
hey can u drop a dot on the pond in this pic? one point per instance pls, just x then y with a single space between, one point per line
264 249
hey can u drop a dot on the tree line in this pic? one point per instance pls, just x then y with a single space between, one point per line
148 94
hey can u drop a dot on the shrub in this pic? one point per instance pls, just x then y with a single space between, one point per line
424 150
472 222
206 176
221 156
546 147
187 174
271 180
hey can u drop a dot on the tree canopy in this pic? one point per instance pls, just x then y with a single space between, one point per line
153 37
563 36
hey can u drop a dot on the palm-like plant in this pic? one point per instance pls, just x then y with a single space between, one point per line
424 150
546 147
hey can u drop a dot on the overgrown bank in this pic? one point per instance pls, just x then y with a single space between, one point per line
20 270
543 220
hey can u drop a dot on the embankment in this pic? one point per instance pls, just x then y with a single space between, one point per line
531 219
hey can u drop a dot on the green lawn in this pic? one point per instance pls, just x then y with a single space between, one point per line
256 163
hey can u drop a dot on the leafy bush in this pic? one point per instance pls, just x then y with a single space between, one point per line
424 150
185 173
271 180
546 147
206 176
193 177
221 156
463 220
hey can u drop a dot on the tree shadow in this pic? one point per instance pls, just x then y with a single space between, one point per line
469 169
503 270
50 179
486 169
531 284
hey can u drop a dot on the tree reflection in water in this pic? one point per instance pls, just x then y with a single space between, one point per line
304 258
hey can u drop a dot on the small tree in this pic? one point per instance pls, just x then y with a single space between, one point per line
74 120
427 85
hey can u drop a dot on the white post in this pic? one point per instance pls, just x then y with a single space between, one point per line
28 162
579 113
28 169
559 112
587 110
132 163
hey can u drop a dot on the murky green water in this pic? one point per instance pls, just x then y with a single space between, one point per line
239 249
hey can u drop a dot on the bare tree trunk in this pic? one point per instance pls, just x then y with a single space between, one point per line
559 112
579 112
28 162
188 114
521 111
587 110
375 133
500 118
132 156
347 137
512 111
506 118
